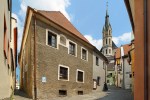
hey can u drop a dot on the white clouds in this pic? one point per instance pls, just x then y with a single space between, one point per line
123 39
50 5
96 43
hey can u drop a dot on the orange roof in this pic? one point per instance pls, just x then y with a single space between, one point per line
58 18
126 48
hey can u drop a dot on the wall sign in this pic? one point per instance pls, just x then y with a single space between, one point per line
44 79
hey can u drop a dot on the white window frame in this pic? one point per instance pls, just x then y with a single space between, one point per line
86 53
59 72
75 48
57 38
77 75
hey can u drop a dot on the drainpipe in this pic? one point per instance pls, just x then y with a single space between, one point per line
35 85
145 52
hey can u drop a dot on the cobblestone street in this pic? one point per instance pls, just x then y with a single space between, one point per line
112 94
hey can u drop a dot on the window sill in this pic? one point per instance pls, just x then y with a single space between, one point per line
79 82
52 47
63 80
84 60
72 55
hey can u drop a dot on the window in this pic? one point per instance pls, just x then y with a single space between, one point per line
80 76
106 41
52 39
62 92
109 41
107 81
110 74
106 51
5 38
80 92
98 80
72 48
84 54
109 50
97 61
130 75
63 73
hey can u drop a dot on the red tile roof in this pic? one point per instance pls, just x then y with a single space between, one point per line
126 48
58 18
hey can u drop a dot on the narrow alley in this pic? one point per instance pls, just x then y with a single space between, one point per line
112 94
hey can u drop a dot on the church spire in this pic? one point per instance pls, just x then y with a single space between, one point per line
107 9
107 24
107 35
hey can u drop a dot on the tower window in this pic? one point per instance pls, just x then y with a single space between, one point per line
106 41
109 41
109 50
109 32
106 51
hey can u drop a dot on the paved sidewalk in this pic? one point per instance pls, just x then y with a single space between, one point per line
20 95
112 94
117 94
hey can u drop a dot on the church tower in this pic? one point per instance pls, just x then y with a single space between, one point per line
107 36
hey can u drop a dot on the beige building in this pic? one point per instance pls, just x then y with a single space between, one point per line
123 68
99 73
55 58
8 50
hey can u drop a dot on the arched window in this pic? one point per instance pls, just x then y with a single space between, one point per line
106 51
106 41
109 41
109 32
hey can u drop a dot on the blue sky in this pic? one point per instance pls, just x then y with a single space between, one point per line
88 16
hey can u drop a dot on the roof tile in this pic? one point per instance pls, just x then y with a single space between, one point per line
58 18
